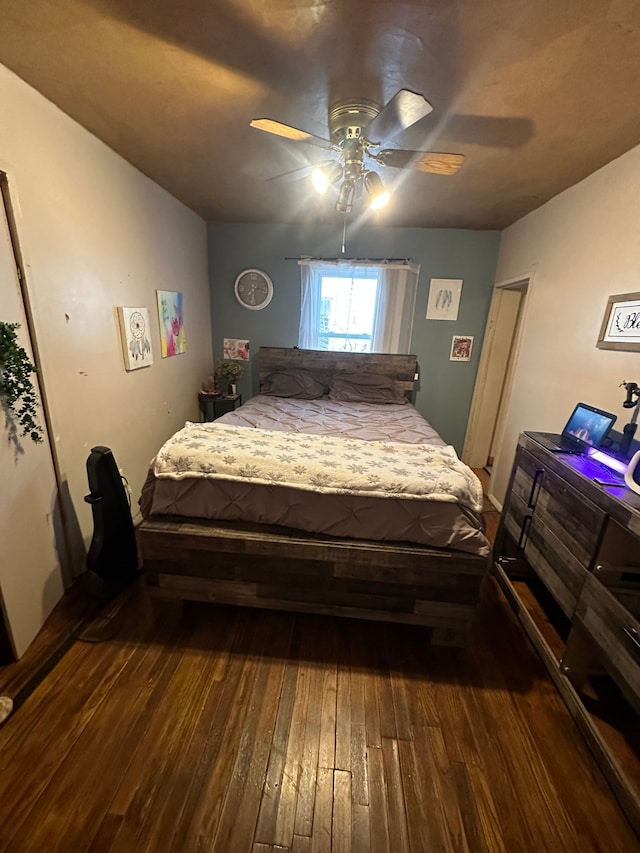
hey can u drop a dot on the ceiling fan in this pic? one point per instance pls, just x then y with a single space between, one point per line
357 128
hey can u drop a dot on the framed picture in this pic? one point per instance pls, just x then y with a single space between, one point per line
620 328
173 340
135 337
444 298
236 349
461 346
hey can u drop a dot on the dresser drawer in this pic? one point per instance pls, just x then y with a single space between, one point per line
614 633
527 475
572 518
557 566
516 519
556 528
561 536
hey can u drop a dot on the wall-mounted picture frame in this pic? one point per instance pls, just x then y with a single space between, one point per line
236 349
444 298
461 346
620 329
173 340
135 337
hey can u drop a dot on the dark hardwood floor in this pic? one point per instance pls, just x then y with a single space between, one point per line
214 728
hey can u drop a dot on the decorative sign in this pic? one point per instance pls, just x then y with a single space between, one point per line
135 337
444 298
461 346
620 328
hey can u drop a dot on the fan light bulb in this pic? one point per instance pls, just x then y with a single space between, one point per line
380 200
322 176
320 181
378 195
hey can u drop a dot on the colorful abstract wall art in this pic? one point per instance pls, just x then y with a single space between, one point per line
172 333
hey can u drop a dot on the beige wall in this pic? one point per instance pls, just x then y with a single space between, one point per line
95 233
582 246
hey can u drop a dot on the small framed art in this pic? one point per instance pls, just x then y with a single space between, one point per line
235 348
461 346
172 335
620 329
135 337
444 298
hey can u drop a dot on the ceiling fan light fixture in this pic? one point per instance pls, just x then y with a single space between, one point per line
356 126
345 197
322 176
378 195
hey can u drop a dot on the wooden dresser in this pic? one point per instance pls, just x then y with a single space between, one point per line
567 556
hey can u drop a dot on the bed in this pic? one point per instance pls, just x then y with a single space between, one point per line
346 503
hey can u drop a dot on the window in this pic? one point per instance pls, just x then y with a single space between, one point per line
357 307
347 311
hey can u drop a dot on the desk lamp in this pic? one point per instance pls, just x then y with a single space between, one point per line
630 429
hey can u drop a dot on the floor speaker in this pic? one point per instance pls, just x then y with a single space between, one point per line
112 560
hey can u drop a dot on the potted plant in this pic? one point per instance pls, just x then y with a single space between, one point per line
16 389
227 374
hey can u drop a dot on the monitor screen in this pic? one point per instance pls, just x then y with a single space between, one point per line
589 425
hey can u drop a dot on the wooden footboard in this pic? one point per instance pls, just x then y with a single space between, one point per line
281 569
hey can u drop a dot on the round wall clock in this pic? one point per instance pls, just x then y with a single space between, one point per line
253 289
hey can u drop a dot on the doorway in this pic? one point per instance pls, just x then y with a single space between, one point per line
30 570
493 384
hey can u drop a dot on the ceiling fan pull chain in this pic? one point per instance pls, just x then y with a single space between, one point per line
344 234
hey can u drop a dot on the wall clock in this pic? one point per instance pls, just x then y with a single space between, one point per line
253 289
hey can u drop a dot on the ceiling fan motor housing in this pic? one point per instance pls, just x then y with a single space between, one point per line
349 119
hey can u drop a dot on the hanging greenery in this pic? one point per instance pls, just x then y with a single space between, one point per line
16 389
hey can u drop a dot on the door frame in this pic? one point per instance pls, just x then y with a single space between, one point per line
475 439
8 644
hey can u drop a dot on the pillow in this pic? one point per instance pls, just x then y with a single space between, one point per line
364 388
301 384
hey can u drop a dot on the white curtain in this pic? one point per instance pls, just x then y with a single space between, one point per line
393 321
311 278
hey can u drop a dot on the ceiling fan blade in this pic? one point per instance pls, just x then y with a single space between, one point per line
403 110
423 161
288 132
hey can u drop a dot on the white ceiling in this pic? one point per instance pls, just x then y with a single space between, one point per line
537 94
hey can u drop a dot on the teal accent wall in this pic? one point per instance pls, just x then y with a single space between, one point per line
445 388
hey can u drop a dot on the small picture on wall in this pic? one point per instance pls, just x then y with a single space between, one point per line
135 337
461 348
444 298
236 349
173 340
620 328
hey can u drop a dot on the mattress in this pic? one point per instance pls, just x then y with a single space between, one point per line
449 524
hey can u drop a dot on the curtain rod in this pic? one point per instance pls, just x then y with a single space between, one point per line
352 260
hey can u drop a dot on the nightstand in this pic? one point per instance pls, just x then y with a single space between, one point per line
214 407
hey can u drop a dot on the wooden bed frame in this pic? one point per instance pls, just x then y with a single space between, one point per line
281 568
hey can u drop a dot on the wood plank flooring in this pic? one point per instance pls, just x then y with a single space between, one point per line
210 728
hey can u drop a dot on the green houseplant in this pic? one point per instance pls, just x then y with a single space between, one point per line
228 373
16 389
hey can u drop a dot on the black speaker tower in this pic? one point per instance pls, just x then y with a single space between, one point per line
112 561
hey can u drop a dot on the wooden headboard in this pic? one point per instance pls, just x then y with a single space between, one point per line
402 368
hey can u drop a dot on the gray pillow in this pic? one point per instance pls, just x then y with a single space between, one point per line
301 384
364 388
